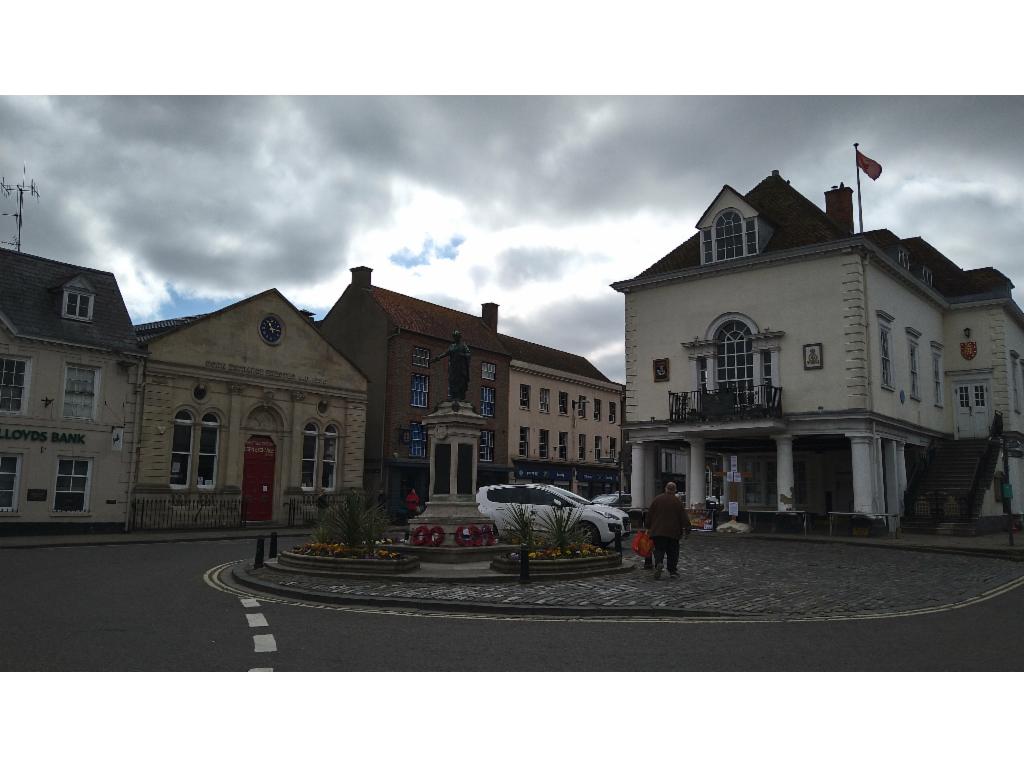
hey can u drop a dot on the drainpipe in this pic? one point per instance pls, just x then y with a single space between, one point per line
140 395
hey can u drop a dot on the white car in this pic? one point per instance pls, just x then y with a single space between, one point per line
601 522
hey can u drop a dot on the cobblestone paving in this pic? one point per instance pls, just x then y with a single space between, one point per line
727 576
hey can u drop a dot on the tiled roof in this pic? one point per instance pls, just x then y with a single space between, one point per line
148 331
434 320
795 219
947 278
529 352
31 296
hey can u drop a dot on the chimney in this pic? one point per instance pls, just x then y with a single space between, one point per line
490 315
361 276
839 206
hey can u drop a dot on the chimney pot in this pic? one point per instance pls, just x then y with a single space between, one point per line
489 315
839 206
361 276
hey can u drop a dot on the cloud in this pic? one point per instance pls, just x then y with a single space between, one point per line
523 265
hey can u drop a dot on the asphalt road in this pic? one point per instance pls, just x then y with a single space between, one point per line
147 607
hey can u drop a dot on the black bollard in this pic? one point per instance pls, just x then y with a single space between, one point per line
618 542
258 562
524 564
273 545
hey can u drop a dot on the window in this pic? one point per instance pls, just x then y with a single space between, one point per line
753 488
543 441
903 258
766 366
915 391
524 395
12 385
926 275
486 401
524 441
613 449
487 371
597 447
937 376
729 237
597 409
72 489
420 356
545 400
79 392
979 395
735 357
417 440
77 305
206 466
487 445
329 458
581 450
702 372
885 346
181 449
751 236
309 436
581 407
563 403
420 390
964 394
611 411
9 483
563 445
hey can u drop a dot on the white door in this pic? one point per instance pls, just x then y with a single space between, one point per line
972 409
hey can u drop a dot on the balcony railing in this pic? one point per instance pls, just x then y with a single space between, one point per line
762 401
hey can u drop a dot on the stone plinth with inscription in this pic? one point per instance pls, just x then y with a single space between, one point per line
452 515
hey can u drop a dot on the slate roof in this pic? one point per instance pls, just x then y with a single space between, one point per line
538 354
31 296
148 331
797 222
434 320
795 219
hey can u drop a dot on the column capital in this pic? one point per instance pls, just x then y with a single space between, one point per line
862 439
782 438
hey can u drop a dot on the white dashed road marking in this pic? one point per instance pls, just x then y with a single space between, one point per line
264 643
248 602
256 620
262 669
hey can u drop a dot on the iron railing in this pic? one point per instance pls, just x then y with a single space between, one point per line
940 506
182 512
726 403
306 510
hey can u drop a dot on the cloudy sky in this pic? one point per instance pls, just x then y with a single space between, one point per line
534 203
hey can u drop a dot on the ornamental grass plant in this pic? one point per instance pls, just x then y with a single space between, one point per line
351 526
518 524
560 528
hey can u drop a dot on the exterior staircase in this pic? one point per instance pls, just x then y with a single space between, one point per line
947 497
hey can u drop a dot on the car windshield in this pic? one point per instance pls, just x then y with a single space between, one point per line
570 495
607 498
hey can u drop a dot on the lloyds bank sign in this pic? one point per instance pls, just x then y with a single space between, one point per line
37 436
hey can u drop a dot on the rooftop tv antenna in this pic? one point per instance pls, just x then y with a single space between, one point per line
8 190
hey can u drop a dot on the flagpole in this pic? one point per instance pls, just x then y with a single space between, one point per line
860 209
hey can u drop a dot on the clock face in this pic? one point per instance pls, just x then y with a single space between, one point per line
271 329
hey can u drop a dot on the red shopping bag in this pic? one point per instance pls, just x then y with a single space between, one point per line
642 544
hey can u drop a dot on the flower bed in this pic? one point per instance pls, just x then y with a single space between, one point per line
570 561
314 549
565 553
340 559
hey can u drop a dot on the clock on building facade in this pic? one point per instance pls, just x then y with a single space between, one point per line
271 329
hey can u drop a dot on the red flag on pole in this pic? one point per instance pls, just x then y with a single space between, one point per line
869 166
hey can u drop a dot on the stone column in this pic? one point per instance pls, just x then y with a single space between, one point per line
696 491
234 448
863 473
784 472
901 477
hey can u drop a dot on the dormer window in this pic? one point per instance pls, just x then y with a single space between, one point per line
77 305
904 258
729 237
926 275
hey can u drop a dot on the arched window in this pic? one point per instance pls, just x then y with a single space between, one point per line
735 356
330 458
181 448
206 467
728 236
309 435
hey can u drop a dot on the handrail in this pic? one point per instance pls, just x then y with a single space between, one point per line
726 403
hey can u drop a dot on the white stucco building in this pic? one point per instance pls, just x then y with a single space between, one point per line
839 369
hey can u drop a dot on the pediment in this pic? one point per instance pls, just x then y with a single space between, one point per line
727 198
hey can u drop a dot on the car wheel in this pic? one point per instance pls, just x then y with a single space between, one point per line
593 535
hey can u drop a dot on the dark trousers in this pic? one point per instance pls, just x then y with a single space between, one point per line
666 545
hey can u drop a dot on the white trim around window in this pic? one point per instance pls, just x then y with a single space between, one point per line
937 373
72 483
77 305
10 482
84 393
914 362
15 376
885 356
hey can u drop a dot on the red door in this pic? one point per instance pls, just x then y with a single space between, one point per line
258 478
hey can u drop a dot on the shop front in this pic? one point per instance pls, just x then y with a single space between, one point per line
549 474
594 482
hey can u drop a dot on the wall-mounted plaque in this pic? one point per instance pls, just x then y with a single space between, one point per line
661 369
813 356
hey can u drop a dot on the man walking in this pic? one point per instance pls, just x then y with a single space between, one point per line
667 522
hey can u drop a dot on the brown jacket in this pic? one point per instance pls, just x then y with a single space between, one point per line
667 517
